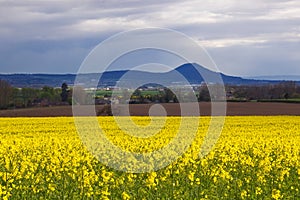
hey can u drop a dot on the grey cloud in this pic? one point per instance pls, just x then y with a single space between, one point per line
277 58
51 61
51 31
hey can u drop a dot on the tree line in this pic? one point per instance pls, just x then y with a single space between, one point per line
11 97
285 90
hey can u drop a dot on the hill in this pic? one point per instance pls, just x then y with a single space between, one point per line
277 77
110 78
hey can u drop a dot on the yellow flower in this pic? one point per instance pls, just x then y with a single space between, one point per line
151 181
244 194
258 191
125 196
43 156
191 176
276 194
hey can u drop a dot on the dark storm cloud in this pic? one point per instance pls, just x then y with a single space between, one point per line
244 37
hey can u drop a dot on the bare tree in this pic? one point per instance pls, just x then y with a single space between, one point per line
5 93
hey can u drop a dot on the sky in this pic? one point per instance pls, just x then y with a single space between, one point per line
244 38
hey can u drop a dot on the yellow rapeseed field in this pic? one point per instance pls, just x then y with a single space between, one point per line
256 157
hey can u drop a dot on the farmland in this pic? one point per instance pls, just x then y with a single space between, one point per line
172 109
256 157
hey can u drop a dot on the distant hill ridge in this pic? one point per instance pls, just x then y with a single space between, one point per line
110 78
276 77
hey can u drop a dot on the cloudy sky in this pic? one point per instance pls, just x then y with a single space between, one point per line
246 38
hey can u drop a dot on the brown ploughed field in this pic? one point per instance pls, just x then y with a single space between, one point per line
172 109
